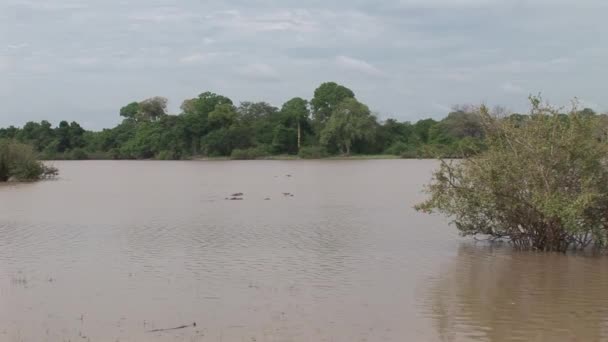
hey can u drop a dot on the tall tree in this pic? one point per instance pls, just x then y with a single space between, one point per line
222 116
195 112
351 120
422 128
63 136
250 112
204 104
296 110
152 109
130 111
326 98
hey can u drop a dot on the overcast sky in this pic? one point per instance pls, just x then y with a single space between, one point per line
408 59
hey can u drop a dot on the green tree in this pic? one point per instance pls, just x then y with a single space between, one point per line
326 99
223 141
204 104
295 111
152 109
130 111
458 125
9 133
262 118
543 184
195 113
39 135
350 121
422 129
252 112
222 116
76 135
285 140
587 112
62 132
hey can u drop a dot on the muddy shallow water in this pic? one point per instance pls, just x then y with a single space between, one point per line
119 250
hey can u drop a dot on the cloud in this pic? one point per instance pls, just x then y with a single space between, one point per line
441 107
441 51
511 88
358 65
17 46
86 61
278 20
50 6
446 4
162 14
589 104
197 58
4 63
259 72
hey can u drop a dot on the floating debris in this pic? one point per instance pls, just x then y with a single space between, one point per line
267 199
235 197
180 327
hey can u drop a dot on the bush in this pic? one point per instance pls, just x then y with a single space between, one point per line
312 152
411 154
78 154
18 162
167 155
398 148
542 184
249 153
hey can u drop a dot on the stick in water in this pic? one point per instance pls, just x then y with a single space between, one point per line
180 327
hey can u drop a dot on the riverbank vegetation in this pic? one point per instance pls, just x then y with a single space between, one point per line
18 163
333 123
541 181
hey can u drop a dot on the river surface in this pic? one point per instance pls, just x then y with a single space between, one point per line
314 251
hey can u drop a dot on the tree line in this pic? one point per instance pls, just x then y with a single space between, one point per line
333 122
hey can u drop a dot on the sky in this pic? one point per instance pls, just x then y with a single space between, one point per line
406 59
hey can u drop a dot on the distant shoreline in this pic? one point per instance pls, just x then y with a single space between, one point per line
278 157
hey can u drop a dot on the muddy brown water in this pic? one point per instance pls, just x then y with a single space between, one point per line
119 250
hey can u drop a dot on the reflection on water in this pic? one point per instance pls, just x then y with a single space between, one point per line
493 294
115 251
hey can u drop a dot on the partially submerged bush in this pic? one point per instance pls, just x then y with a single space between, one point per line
541 183
18 162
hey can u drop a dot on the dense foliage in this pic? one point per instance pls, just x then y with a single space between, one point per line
18 163
333 122
542 181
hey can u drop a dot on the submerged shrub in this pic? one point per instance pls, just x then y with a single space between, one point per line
541 183
18 161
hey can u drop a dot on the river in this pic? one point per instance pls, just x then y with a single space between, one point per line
313 251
